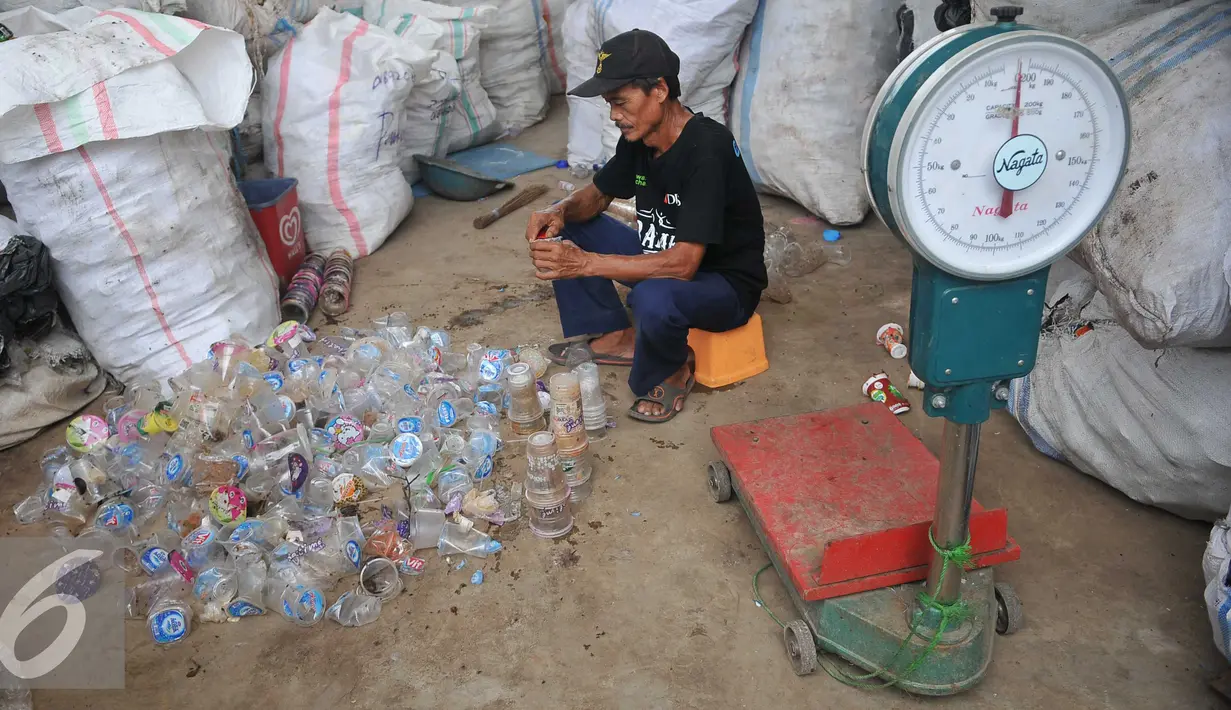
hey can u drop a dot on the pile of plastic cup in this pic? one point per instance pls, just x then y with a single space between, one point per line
525 410
593 406
271 470
567 421
544 478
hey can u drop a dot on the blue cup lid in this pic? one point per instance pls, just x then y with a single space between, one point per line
831 235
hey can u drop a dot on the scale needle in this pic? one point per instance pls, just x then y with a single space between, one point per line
1006 202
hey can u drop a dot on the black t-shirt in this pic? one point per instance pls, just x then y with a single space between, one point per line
697 191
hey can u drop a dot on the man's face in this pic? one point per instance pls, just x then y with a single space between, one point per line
635 112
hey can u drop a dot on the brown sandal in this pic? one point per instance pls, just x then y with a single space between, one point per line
662 394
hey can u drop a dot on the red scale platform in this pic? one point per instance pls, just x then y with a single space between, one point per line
845 498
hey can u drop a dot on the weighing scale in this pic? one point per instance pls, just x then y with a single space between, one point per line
991 151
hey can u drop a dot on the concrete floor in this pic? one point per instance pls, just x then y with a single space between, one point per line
648 603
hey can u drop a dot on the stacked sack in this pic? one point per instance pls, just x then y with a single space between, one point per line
551 42
918 18
510 52
704 33
469 118
1162 254
1150 423
154 253
53 7
265 24
808 73
338 118
1146 419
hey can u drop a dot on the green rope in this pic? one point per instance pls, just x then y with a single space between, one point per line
953 614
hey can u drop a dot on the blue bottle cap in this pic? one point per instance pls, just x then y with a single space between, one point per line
562 164
831 235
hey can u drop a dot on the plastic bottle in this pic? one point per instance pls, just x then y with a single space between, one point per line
775 244
837 254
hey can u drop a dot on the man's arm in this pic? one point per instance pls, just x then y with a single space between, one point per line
582 205
565 260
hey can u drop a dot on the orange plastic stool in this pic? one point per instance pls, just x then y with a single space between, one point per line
726 358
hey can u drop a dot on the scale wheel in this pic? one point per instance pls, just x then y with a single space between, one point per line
719 481
1008 609
800 647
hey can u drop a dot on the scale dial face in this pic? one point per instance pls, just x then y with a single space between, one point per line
1008 155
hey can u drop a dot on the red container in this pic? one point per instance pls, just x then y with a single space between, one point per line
274 205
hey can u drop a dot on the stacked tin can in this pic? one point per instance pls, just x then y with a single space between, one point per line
525 410
547 494
572 443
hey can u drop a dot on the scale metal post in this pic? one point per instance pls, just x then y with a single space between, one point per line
991 151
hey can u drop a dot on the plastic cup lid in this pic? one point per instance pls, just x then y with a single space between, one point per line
831 235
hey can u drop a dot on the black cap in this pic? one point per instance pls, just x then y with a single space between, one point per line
636 54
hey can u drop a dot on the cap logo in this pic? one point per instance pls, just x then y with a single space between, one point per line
601 56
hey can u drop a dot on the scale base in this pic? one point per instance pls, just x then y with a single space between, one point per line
867 630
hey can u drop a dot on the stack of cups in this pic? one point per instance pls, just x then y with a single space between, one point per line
525 411
547 495
568 424
593 407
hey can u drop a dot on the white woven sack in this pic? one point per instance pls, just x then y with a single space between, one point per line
335 111
1162 254
155 255
512 68
1151 423
471 118
808 74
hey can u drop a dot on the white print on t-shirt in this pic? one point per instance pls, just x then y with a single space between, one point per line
657 234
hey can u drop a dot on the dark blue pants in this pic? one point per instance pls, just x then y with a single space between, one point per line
663 309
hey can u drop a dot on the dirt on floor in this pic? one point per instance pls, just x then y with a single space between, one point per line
648 604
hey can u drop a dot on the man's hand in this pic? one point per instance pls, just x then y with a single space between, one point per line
558 260
551 219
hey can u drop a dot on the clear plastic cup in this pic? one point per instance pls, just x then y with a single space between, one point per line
544 478
458 539
201 548
428 523
30 509
302 604
577 465
581 491
379 577
355 609
567 421
216 585
453 483
550 520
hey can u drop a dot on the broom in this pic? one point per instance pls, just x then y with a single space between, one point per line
521 199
